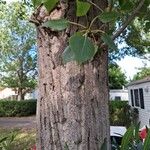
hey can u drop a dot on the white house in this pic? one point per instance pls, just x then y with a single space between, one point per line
8 93
119 94
139 97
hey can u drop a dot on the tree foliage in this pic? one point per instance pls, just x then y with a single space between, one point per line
18 53
126 19
117 78
142 73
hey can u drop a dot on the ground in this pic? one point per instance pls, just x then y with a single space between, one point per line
17 122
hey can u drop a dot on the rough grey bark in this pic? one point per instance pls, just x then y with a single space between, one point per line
73 99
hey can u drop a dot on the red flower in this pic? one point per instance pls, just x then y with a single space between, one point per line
143 133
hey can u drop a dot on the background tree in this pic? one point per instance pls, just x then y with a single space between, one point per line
143 73
73 101
18 56
117 78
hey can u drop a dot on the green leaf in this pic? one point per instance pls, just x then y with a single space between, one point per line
82 8
104 145
58 25
126 138
68 55
121 2
66 146
36 2
107 40
136 133
82 48
127 6
3 139
147 141
50 4
147 27
106 17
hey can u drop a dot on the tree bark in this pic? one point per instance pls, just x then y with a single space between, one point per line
72 109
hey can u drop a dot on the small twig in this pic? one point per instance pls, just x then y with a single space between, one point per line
130 19
93 21
77 24
95 5
96 31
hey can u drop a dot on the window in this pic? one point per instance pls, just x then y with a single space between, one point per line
117 98
141 98
132 98
136 97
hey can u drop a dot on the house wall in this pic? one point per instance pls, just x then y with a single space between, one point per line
144 114
7 92
10 94
123 94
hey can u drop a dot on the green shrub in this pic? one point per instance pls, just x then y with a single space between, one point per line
121 114
17 108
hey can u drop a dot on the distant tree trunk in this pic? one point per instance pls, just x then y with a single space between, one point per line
73 99
20 94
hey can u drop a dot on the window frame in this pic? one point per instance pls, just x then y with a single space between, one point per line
136 100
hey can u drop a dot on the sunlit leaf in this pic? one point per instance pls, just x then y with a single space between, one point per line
82 8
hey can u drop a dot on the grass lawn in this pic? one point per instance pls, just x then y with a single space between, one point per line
22 139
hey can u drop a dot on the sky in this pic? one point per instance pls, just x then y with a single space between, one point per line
129 65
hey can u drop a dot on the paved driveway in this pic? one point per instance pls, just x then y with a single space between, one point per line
17 122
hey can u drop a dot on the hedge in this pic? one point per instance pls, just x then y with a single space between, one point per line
122 114
17 108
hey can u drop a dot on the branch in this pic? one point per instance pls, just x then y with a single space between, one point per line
130 19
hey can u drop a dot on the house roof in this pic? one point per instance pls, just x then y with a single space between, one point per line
145 80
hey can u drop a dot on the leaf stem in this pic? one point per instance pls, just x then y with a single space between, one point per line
98 30
93 21
95 5
77 24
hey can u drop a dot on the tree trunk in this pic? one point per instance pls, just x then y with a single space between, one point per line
20 94
72 106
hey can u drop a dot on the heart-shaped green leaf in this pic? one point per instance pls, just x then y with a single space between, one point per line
82 8
82 48
106 17
58 25
68 55
50 4
107 40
